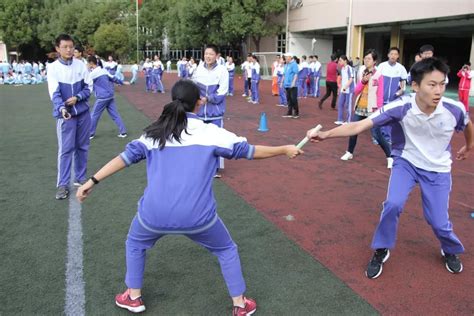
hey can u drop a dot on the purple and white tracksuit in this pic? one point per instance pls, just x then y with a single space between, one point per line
422 155
69 78
103 86
179 198
255 82
213 83
231 70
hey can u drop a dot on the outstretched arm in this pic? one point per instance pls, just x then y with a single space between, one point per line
109 169
262 152
341 131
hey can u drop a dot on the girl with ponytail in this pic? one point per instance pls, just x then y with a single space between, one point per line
183 153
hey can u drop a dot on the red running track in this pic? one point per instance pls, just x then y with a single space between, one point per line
336 205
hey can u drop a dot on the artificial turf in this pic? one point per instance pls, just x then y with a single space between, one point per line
181 278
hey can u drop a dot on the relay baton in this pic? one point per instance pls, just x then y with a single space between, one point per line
306 139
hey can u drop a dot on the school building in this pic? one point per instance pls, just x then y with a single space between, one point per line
351 26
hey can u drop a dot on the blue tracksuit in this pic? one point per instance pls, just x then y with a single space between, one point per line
67 79
255 83
179 198
104 92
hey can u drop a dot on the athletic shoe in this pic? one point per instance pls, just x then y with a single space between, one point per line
78 183
295 116
122 135
347 156
217 176
62 193
389 162
338 122
320 105
374 269
249 309
125 301
452 262
244 95
92 136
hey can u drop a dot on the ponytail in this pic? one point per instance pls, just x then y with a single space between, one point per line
170 124
173 120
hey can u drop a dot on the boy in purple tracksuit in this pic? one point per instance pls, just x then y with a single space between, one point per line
68 85
255 95
213 82
104 92
422 128
181 153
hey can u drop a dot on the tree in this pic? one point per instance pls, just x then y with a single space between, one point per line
112 39
254 18
18 19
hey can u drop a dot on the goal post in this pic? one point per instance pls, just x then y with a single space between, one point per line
266 60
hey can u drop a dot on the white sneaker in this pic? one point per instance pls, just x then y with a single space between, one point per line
338 122
347 156
389 162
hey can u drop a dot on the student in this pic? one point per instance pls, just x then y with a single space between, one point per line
369 92
303 74
275 76
79 53
331 83
103 85
111 65
465 74
148 70
255 93
422 154
157 72
212 80
191 67
68 85
280 71
168 66
181 152
346 92
247 75
134 70
231 70
289 82
119 72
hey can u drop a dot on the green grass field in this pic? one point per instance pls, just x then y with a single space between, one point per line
181 278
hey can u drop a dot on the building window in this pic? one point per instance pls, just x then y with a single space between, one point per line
281 43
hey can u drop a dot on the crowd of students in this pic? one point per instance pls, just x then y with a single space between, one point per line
22 73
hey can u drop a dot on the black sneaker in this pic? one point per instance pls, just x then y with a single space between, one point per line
62 193
452 262
374 269
122 135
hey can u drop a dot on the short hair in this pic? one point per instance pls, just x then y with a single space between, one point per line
468 63
344 57
372 52
333 57
426 48
316 56
62 37
425 66
92 59
79 48
394 48
213 47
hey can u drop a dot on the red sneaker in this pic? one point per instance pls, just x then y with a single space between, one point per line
124 301
249 309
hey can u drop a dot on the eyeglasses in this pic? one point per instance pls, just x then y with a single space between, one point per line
66 47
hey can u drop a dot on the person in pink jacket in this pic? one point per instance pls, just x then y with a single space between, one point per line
465 74
369 92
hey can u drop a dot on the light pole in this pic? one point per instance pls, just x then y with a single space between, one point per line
136 8
287 28
349 31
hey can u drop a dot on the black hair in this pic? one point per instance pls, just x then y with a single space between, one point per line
62 37
79 48
372 52
344 57
426 48
428 65
213 47
394 48
468 63
92 59
333 57
316 56
173 120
